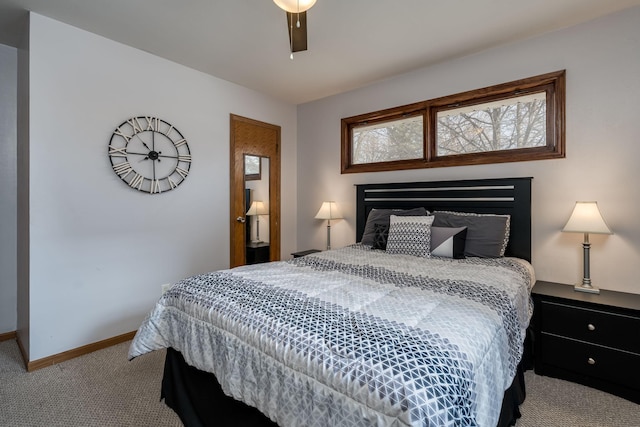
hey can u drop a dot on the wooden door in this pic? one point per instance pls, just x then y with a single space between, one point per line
256 138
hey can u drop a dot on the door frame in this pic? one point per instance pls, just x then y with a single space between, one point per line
249 136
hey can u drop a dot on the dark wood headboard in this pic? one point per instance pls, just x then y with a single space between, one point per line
498 196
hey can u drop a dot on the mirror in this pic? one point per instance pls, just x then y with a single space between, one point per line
257 208
261 142
252 168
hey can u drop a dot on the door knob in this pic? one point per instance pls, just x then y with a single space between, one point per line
240 219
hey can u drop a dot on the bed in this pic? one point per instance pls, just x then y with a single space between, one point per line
360 335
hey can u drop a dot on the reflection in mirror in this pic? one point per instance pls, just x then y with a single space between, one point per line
257 209
252 168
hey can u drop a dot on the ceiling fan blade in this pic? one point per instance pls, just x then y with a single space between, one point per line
297 35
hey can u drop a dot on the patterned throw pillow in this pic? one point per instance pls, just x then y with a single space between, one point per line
410 235
380 236
381 216
448 241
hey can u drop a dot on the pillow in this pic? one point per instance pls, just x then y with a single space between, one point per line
487 234
380 237
410 235
448 241
381 216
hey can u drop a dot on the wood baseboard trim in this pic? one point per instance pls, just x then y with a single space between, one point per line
25 356
8 336
80 351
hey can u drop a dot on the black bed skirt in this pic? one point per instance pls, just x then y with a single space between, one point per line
199 401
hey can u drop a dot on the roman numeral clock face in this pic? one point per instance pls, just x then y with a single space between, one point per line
149 154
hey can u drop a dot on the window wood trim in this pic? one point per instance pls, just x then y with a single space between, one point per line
553 84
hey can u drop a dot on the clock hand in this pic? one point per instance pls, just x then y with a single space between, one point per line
151 155
143 143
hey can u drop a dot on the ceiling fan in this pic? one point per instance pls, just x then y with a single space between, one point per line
296 11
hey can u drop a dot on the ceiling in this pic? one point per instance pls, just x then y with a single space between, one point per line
352 43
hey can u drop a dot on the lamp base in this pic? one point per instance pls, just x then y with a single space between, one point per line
586 288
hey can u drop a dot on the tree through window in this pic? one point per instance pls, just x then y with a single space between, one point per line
400 139
493 126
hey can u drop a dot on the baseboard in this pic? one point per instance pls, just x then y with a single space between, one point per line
80 351
25 356
8 336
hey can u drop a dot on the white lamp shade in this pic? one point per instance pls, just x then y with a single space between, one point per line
257 208
295 6
329 210
586 218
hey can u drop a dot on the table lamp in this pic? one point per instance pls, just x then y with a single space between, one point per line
329 211
256 209
586 218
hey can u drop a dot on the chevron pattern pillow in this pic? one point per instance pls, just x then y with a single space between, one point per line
410 235
448 241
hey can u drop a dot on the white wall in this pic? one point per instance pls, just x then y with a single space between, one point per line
8 201
99 251
603 146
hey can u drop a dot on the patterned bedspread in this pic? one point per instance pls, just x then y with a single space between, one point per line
354 336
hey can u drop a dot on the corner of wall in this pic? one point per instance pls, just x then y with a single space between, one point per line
22 171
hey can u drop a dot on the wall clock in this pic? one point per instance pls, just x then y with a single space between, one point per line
149 154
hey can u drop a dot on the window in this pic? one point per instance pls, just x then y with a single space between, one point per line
508 124
516 121
252 168
398 139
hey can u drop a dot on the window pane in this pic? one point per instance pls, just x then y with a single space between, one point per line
384 142
506 124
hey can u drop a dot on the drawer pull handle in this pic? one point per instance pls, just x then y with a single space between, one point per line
591 361
591 327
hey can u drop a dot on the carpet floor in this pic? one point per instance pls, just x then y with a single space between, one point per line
104 389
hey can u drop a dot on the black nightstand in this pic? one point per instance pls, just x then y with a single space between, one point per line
257 252
589 339
303 253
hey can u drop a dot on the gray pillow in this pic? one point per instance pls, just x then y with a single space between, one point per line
381 216
487 234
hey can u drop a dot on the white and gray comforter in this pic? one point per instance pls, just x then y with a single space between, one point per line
354 336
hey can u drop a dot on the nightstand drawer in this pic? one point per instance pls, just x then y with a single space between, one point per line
591 325
587 338
591 360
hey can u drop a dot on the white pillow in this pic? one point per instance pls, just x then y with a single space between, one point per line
410 235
